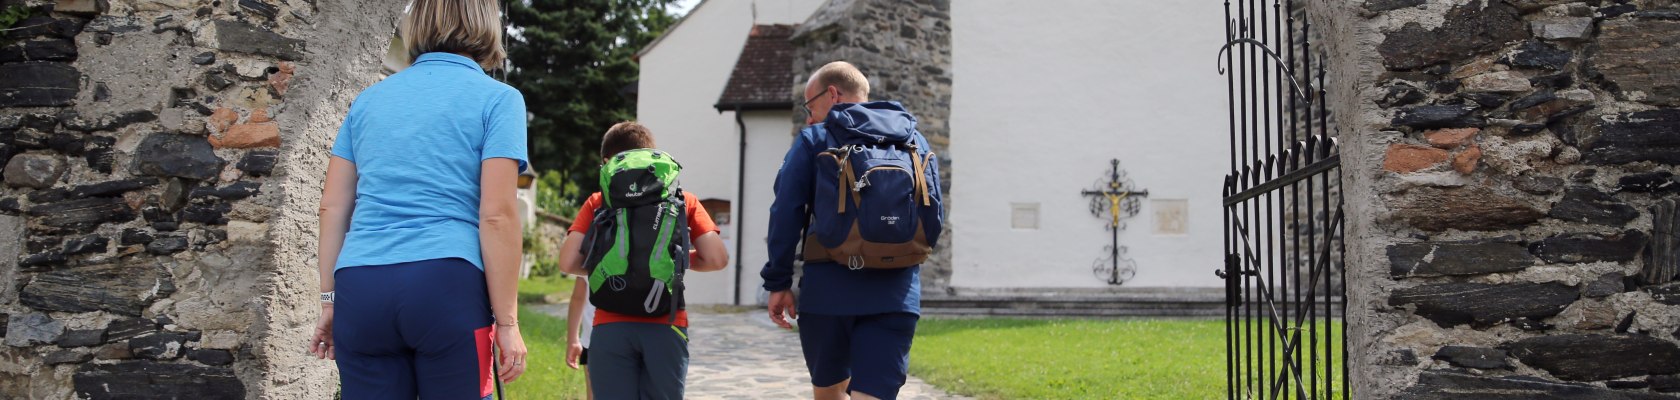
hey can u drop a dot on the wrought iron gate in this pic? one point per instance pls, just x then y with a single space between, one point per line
1284 272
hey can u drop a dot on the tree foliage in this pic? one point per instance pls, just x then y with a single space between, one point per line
559 196
572 59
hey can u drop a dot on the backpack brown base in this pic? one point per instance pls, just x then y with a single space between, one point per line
856 253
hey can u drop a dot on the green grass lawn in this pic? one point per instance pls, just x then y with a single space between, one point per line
534 289
985 358
548 377
1072 359
1320 340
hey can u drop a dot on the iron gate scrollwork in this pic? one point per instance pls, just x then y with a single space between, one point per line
1284 271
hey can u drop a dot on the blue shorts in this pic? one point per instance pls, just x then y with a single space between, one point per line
413 330
872 350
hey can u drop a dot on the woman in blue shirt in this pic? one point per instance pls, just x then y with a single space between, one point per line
420 240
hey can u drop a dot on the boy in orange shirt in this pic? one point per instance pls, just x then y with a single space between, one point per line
641 357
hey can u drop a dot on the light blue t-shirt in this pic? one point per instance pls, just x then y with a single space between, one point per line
418 140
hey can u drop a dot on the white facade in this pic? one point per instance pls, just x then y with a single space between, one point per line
769 134
1043 98
682 75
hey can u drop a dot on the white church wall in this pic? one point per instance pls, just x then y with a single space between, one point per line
769 133
681 78
1043 98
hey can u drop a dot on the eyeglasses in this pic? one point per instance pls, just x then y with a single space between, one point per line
806 106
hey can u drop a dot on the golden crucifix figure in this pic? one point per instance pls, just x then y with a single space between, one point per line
1115 197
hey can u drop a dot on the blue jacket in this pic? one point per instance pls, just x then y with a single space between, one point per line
828 288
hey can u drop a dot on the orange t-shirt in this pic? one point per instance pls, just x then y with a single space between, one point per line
699 224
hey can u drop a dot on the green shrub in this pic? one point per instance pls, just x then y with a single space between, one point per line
545 266
10 17
558 195
545 263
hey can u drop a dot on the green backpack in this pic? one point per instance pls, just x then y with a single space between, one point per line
636 249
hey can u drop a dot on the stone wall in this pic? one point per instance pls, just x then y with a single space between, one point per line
162 161
904 47
1510 175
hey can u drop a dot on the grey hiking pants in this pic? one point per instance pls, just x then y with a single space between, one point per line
636 360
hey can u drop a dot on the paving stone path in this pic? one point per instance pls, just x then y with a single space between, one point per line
742 355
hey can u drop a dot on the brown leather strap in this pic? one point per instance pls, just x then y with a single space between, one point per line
915 172
847 178
921 177
917 167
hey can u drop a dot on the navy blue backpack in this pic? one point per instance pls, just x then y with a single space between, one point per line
872 207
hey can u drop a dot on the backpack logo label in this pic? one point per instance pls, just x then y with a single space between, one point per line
635 190
890 219
658 217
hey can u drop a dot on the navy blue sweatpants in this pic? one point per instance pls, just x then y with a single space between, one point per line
413 330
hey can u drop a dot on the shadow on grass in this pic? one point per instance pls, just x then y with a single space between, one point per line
940 326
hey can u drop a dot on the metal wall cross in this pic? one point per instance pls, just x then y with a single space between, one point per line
1115 199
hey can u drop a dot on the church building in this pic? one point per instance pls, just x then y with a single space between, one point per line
1049 122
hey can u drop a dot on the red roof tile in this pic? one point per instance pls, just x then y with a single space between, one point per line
763 76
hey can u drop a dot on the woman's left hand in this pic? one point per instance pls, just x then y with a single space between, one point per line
321 345
512 352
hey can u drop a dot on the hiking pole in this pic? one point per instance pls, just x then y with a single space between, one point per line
496 373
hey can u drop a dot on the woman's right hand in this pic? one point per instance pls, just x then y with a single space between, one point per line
512 352
573 351
321 345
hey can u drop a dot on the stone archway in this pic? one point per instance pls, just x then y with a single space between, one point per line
1509 178
163 161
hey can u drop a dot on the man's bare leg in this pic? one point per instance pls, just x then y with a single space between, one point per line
835 392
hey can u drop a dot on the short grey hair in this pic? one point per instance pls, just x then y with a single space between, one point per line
843 76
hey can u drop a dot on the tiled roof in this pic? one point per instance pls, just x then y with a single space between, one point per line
763 76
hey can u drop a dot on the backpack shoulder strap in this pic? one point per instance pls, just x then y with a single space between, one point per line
842 156
918 162
848 178
920 158
680 258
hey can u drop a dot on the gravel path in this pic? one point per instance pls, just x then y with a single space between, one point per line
742 355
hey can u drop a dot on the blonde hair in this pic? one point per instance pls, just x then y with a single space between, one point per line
472 28
843 76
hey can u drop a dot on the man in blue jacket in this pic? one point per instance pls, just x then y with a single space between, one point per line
856 324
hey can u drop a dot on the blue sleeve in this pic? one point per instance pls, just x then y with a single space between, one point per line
504 129
789 214
341 144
